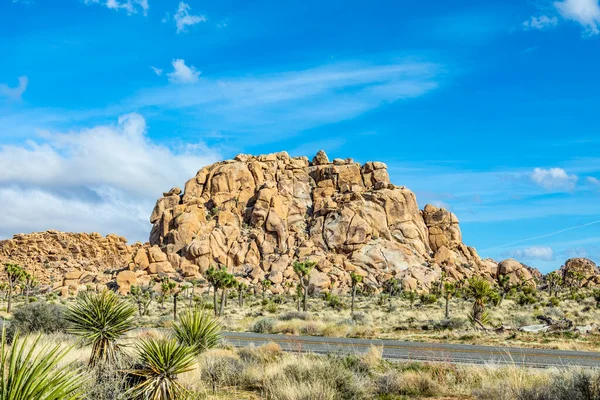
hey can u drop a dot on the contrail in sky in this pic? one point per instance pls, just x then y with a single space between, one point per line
543 236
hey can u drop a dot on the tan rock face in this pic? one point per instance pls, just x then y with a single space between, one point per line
585 268
68 261
258 214
518 272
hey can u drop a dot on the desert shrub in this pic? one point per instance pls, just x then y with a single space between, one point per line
278 299
408 383
38 317
109 382
449 324
271 307
263 325
221 370
360 318
264 354
553 302
525 299
428 299
312 329
315 378
578 385
293 315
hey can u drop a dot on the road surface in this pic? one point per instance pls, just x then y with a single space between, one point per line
419 351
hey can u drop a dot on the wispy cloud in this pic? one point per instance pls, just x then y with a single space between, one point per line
129 6
541 22
183 18
288 102
543 253
554 179
182 73
157 71
14 92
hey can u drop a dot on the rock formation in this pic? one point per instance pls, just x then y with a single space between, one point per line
67 262
519 272
258 214
586 272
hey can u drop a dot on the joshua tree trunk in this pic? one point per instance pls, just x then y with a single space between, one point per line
175 306
223 297
9 298
447 316
353 296
305 287
215 301
478 309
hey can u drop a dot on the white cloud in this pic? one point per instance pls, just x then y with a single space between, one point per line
533 253
585 12
540 22
130 6
553 179
157 71
183 18
104 179
594 181
14 92
182 73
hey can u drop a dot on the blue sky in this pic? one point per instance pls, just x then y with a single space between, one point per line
487 108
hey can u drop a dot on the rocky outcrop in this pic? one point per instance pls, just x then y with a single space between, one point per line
580 271
67 262
519 272
258 214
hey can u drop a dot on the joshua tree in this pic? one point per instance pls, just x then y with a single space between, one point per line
554 283
219 279
303 270
573 279
505 286
355 280
265 284
29 283
449 291
229 282
33 372
142 297
161 360
14 275
242 288
167 288
596 294
101 319
197 330
411 296
480 290
195 283
392 285
298 295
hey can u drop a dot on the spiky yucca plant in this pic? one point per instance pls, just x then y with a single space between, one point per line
29 371
161 360
101 319
198 330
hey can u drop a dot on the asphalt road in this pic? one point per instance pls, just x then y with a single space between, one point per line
418 351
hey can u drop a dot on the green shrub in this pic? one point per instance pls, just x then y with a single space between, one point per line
428 299
263 325
525 299
293 315
38 317
553 302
